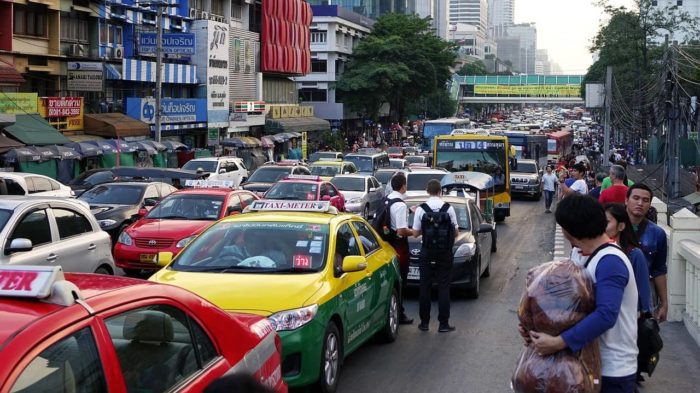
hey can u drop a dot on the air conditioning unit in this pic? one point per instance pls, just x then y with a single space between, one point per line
221 19
118 52
205 15
193 13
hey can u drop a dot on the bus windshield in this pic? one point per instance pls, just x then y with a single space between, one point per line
490 161
431 130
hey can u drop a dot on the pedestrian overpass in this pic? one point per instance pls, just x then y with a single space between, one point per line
517 89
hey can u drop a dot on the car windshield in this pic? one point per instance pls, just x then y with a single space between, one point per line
526 167
114 194
295 191
491 162
384 176
4 217
419 181
321 155
256 247
324 170
188 207
396 164
349 183
394 150
93 178
460 210
362 163
415 159
269 174
206 166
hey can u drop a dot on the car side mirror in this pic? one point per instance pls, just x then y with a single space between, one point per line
541 172
164 258
373 189
222 170
485 227
150 202
326 198
142 212
233 210
354 263
19 244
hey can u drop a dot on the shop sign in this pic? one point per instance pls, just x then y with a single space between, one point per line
238 116
283 111
172 43
213 137
249 106
84 76
212 62
173 110
18 102
64 113
529 90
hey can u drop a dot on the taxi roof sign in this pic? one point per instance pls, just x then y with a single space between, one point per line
303 177
41 282
283 205
209 183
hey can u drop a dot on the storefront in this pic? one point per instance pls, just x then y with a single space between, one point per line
182 119
290 122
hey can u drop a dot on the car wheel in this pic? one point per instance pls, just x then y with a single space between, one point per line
487 271
473 292
499 217
103 270
391 329
330 359
494 247
365 212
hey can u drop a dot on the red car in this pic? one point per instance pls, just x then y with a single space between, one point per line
95 333
306 188
176 220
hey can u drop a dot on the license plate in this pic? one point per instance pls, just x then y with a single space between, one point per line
413 273
518 187
148 258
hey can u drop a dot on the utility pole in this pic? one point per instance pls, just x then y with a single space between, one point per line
672 137
608 107
159 64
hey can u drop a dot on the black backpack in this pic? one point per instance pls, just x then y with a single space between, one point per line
437 228
382 220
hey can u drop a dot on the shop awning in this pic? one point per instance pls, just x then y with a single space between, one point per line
296 124
7 144
83 137
115 125
145 71
34 130
10 76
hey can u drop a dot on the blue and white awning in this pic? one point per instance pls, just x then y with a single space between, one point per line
145 71
112 72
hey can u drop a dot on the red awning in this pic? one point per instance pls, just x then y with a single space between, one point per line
9 75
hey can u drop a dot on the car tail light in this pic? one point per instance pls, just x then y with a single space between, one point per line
278 343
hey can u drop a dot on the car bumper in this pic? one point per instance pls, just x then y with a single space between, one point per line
301 353
530 189
132 257
353 207
462 273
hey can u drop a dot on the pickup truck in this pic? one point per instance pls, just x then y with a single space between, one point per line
526 179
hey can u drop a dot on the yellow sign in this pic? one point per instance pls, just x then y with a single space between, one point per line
283 111
304 145
529 90
64 113
18 102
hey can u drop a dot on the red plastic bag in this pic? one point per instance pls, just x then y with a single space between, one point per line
562 372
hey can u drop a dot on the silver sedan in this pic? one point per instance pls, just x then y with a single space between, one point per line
363 193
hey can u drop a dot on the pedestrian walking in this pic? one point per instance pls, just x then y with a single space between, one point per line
595 192
607 182
614 321
549 182
436 221
617 192
653 243
577 172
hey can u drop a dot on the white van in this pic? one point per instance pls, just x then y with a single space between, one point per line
220 168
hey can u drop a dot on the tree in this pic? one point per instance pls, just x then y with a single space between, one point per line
474 68
400 61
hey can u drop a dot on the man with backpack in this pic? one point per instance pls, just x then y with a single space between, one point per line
436 221
391 222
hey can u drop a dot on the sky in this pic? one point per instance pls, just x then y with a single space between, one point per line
565 28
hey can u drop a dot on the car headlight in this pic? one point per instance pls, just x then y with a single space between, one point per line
183 242
534 181
465 250
354 200
125 239
293 319
106 223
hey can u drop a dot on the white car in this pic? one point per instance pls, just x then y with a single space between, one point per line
22 183
50 231
363 193
220 168
418 178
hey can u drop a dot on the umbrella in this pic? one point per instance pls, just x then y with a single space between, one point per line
64 153
294 134
104 146
171 145
140 146
252 141
278 138
233 142
85 149
124 147
156 145
43 151
267 142
22 154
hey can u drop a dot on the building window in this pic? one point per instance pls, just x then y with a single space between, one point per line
30 20
236 9
318 37
313 95
113 33
318 65
74 28
679 3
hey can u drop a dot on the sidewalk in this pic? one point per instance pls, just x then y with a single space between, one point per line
678 368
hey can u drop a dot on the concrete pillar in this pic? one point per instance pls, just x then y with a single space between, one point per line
685 226
661 209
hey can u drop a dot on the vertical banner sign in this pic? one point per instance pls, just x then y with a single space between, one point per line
212 60
212 137
304 144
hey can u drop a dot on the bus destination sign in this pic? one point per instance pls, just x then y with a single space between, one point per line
471 145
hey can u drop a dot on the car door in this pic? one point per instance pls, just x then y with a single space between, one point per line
36 225
376 271
483 244
82 247
376 196
337 198
234 205
40 186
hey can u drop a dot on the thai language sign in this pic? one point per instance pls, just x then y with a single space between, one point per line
212 62
172 43
173 110
529 90
64 113
18 102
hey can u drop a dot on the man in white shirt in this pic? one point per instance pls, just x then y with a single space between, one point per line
435 264
578 172
549 181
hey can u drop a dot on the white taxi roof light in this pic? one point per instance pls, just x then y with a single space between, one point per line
329 160
209 183
292 206
303 177
41 282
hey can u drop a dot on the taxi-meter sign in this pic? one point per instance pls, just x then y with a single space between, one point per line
303 177
209 183
278 205
302 261
28 281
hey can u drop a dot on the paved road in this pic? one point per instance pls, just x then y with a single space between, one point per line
481 354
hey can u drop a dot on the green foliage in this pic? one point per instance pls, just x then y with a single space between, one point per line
435 105
475 68
399 62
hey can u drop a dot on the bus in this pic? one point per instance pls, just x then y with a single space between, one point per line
528 145
559 144
478 153
433 128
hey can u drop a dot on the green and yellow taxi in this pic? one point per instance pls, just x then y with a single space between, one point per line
328 168
325 280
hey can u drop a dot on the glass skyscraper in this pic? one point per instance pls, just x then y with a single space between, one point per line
371 8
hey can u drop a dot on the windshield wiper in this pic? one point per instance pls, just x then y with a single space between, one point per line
171 218
293 270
